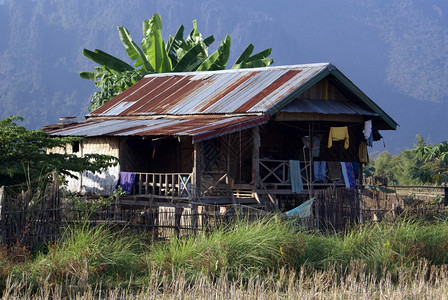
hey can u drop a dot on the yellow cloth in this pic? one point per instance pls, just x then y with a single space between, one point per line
338 134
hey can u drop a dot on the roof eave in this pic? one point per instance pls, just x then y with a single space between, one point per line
372 105
330 69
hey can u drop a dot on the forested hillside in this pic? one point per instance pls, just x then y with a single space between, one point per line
395 51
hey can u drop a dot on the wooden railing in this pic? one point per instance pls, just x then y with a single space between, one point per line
215 184
276 172
164 184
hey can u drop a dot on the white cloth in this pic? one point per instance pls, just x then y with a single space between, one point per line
367 129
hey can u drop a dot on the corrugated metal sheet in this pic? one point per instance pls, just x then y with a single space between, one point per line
326 107
198 128
216 92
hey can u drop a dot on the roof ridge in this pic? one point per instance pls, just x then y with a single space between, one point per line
269 68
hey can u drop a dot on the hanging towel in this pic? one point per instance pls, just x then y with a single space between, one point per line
126 181
301 211
338 134
295 176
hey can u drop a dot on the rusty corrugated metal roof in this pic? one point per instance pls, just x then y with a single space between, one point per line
207 104
326 107
244 91
198 128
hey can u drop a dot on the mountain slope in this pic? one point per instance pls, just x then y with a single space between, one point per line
395 51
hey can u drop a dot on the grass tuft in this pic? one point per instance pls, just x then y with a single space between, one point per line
87 254
241 248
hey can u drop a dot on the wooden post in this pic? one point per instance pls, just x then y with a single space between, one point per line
197 169
194 218
310 153
256 157
177 220
2 215
445 202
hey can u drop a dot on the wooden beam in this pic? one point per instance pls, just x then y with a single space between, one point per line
256 156
290 116
197 170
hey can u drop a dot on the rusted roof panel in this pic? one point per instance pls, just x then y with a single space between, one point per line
326 107
214 92
198 128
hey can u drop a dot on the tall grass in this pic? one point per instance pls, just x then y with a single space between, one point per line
246 252
244 248
88 254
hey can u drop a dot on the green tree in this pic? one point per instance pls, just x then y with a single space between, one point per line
23 154
433 162
155 56
422 164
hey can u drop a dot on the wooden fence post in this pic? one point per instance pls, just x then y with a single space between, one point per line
445 201
2 214
316 209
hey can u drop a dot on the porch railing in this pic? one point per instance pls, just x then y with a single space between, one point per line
276 172
215 184
163 184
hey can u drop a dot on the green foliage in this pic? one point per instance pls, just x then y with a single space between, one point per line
156 56
87 208
111 83
23 154
422 164
433 163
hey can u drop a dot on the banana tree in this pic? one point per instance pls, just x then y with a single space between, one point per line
155 56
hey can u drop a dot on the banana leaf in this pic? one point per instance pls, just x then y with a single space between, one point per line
244 56
133 51
107 60
190 60
174 43
260 55
154 45
258 63
218 59
88 75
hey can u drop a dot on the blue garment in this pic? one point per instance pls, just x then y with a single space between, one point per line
295 176
126 181
351 175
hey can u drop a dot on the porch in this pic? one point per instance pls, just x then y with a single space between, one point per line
217 187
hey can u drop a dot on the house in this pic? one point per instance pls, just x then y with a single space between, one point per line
256 136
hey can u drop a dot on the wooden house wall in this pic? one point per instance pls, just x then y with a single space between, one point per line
103 182
229 155
324 90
